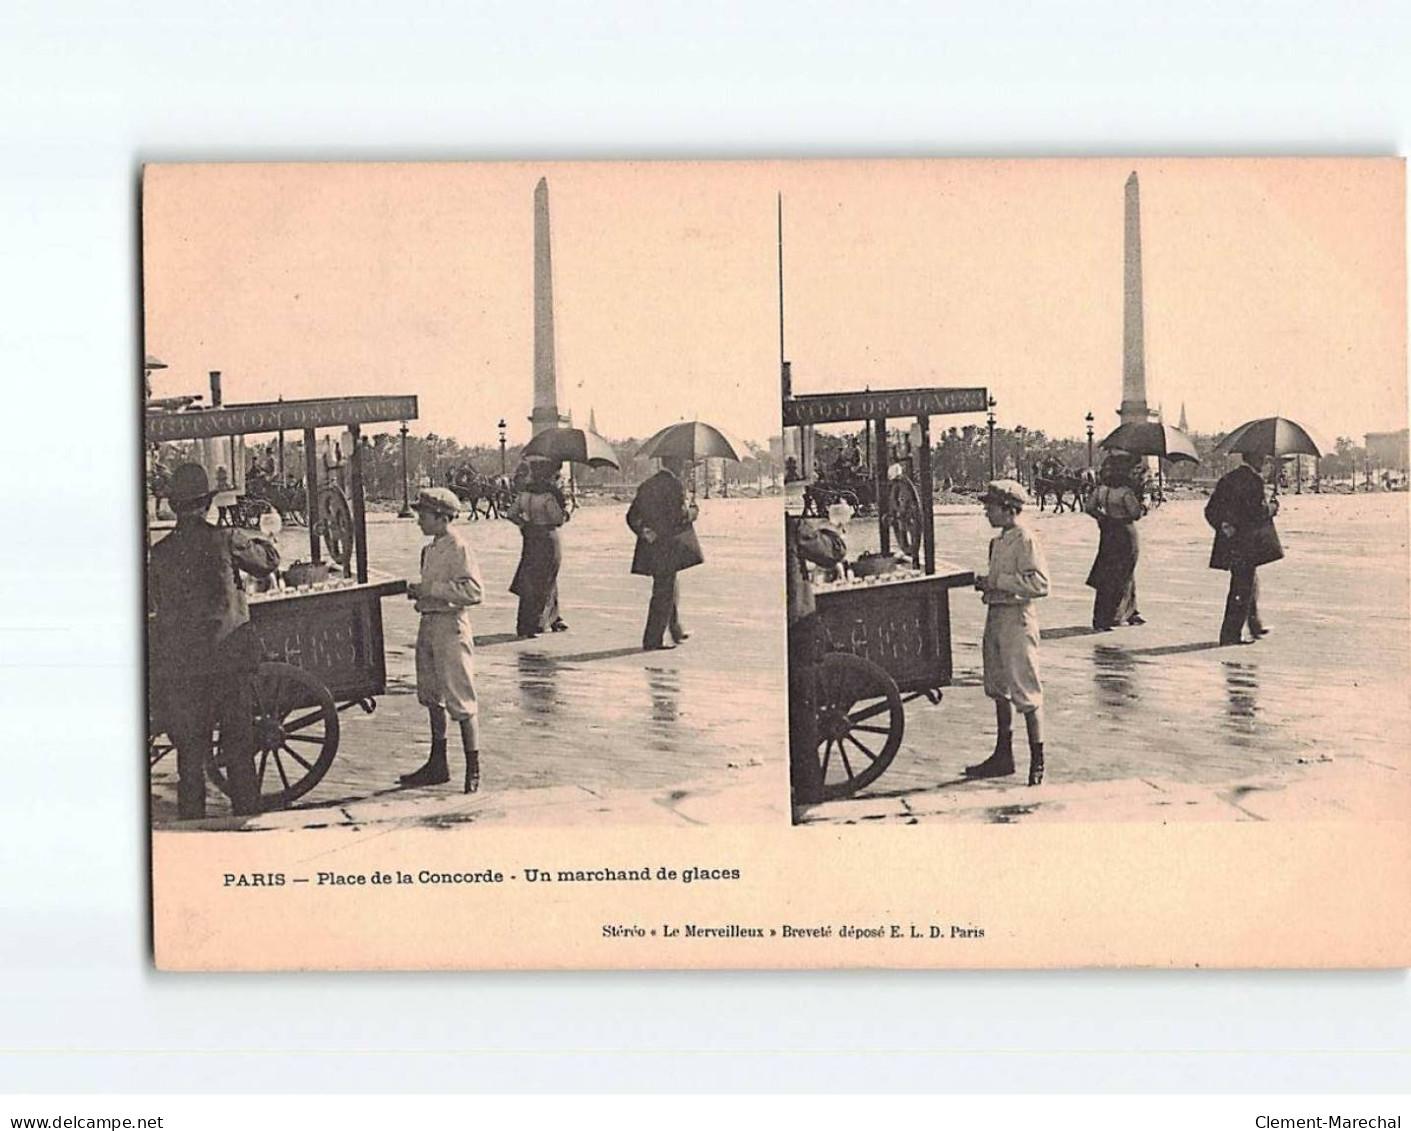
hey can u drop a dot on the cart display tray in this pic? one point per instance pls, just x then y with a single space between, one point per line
333 631
901 623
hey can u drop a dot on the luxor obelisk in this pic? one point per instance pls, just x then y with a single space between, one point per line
546 384
1134 407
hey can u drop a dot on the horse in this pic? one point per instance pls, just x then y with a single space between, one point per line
1052 476
484 496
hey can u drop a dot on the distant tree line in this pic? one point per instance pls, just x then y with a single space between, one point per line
432 458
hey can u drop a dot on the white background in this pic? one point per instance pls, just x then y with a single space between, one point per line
90 91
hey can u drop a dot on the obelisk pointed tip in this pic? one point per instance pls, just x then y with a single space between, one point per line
1131 179
543 185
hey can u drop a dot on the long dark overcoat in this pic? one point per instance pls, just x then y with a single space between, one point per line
1239 500
660 506
198 627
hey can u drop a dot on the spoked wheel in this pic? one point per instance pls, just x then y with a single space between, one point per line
296 734
336 524
904 515
293 507
252 510
860 723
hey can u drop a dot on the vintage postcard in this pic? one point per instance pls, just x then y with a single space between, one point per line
777 564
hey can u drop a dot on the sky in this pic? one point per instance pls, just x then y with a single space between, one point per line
1271 286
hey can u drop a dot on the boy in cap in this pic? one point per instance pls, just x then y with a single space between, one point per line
445 647
1016 577
202 650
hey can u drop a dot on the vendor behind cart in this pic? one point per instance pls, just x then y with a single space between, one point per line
203 650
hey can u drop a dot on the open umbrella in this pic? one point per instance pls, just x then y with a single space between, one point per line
1270 436
1151 438
692 440
572 445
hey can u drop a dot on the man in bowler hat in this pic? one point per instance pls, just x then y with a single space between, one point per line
1245 539
662 519
202 649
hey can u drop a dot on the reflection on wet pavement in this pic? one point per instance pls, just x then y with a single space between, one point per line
538 693
1242 692
664 687
1113 669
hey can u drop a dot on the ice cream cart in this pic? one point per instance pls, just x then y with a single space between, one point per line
882 621
320 626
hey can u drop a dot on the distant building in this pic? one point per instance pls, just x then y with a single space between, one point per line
1388 451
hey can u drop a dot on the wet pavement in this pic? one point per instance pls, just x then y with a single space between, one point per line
1159 723
1147 723
581 726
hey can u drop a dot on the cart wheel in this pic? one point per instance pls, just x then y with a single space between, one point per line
904 515
296 734
252 510
293 507
860 723
336 524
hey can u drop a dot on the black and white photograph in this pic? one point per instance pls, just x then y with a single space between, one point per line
1097 513
462 487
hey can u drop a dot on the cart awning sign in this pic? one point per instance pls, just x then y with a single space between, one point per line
826 408
275 416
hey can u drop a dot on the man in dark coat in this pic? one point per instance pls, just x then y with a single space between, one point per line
1245 539
666 544
202 650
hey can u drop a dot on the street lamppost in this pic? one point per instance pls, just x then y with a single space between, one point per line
1019 466
502 427
406 511
1089 419
990 425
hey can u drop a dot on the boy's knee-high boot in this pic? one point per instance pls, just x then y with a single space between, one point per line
1000 763
1036 763
434 772
470 743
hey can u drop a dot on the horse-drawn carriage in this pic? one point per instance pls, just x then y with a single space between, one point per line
1069 487
860 492
844 483
879 635
266 493
484 496
320 627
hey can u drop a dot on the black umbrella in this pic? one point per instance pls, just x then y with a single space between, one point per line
1151 438
1270 436
572 445
692 440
